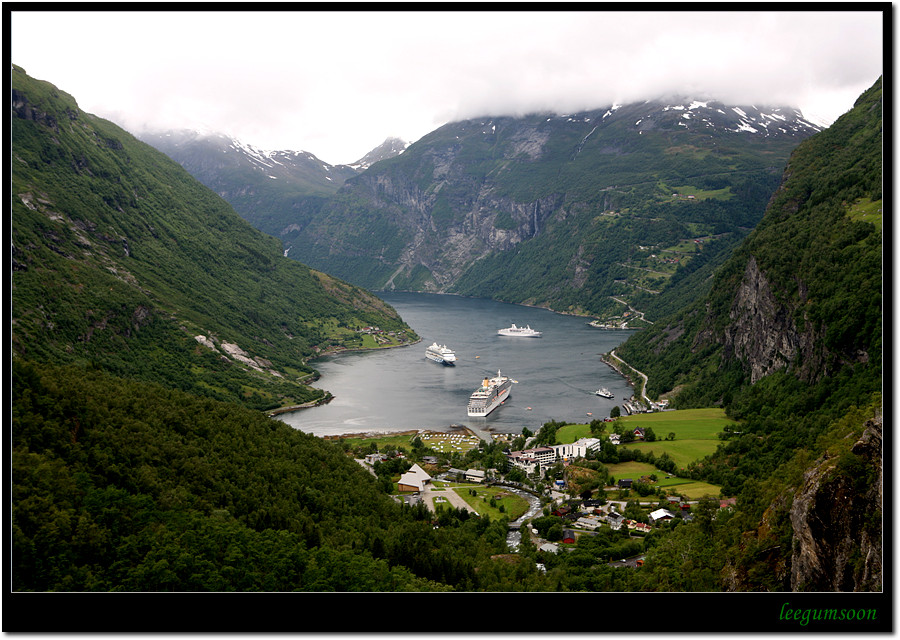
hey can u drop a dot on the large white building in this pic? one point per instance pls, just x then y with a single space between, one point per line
577 449
531 460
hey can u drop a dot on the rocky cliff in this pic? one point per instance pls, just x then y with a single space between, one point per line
763 334
836 518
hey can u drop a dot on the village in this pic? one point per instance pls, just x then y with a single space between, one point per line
540 476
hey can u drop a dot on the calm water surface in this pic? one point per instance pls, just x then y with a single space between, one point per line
399 389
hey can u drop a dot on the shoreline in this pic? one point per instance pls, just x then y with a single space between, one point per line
391 434
338 351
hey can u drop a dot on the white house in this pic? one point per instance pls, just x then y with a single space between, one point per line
615 520
549 547
414 480
588 523
526 463
661 514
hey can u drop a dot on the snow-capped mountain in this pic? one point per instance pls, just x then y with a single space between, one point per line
700 115
576 193
388 149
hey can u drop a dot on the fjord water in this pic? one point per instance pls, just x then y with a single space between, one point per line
399 389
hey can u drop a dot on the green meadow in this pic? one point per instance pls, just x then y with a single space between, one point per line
696 432
513 505
690 489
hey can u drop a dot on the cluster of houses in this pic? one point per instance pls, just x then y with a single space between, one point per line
593 514
631 407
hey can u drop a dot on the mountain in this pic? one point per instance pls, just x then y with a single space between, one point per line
563 211
123 261
269 189
789 340
803 293
390 148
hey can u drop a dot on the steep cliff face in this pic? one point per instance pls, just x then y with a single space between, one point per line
836 517
824 531
763 333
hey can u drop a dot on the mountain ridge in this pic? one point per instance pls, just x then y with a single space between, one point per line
488 195
137 253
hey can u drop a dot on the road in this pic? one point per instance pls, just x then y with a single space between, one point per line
455 500
644 387
639 314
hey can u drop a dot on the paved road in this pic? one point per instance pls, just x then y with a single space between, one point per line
455 500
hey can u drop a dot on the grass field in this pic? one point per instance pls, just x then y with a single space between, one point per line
683 452
696 432
395 440
865 210
691 489
513 505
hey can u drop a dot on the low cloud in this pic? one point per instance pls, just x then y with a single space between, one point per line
336 84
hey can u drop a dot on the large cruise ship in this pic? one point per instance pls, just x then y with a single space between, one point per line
441 353
489 396
524 332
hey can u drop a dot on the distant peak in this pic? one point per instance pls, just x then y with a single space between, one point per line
390 148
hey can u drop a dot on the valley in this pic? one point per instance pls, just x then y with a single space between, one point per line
165 308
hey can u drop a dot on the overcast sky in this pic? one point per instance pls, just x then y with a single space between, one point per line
337 84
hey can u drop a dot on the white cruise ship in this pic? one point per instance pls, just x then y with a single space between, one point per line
606 393
524 332
441 353
489 396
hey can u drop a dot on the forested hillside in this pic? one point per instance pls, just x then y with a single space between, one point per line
127 486
789 341
122 260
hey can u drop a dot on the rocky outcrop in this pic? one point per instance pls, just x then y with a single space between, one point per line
836 518
762 331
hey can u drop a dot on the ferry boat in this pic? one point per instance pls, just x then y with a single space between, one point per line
441 353
604 392
523 332
490 395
